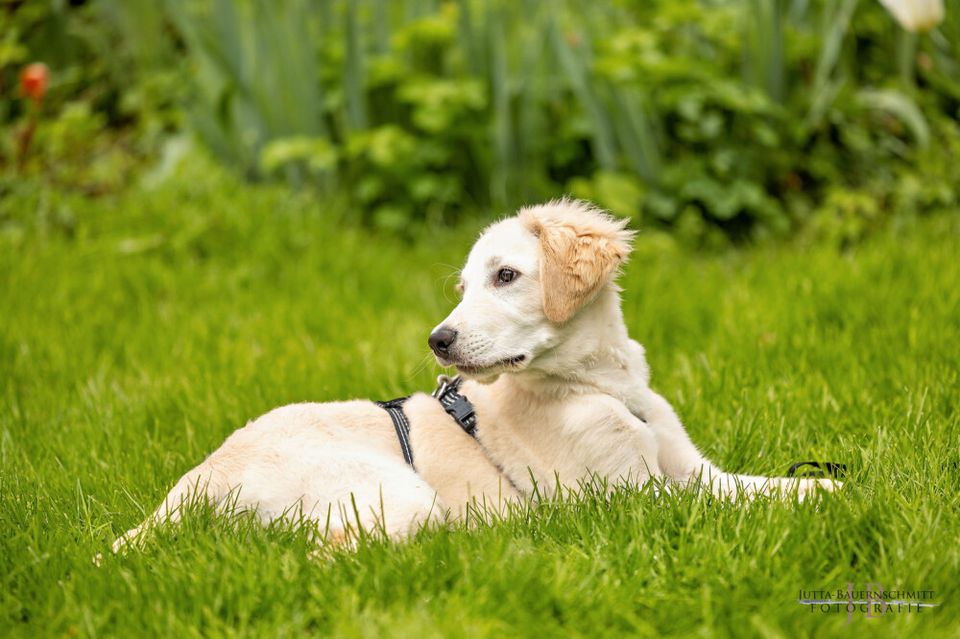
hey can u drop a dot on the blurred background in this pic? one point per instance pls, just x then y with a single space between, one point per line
716 121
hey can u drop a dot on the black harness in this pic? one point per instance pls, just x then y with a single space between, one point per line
455 404
462 412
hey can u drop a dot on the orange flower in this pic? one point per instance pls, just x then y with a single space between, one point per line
34 80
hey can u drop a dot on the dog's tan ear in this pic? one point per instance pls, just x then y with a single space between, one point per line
581 249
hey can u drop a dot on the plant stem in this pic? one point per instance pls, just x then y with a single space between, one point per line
907 58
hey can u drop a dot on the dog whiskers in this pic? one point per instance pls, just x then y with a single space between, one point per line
424 362
445 286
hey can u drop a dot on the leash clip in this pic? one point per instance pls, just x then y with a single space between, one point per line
443 383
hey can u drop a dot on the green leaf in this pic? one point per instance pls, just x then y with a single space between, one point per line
317 153
900 106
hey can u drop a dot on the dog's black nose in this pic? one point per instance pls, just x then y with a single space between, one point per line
441 340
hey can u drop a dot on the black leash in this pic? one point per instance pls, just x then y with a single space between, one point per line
455 404
817 469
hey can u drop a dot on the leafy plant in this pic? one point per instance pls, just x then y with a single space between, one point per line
722 119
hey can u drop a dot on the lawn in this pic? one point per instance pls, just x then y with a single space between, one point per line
138 330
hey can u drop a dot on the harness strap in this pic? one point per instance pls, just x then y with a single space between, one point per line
455 404
395 408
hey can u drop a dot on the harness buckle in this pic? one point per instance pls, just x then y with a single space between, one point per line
461 410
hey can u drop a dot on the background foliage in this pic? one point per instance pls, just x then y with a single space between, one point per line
713 118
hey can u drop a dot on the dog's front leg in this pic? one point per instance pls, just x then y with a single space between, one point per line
680 460
606 440
678 456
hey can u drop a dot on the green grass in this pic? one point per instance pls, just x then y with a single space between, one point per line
132 345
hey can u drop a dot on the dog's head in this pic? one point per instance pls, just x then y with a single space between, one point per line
526 282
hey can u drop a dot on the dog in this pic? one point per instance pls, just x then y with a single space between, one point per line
559 391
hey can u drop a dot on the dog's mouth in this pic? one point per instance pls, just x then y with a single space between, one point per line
509 363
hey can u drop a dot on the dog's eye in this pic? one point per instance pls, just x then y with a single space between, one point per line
505 276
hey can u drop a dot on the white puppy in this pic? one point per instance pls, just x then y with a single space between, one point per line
559 386
559 389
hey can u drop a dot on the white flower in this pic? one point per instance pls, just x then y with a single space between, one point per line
916 15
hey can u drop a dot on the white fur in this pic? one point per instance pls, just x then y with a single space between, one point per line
577 405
